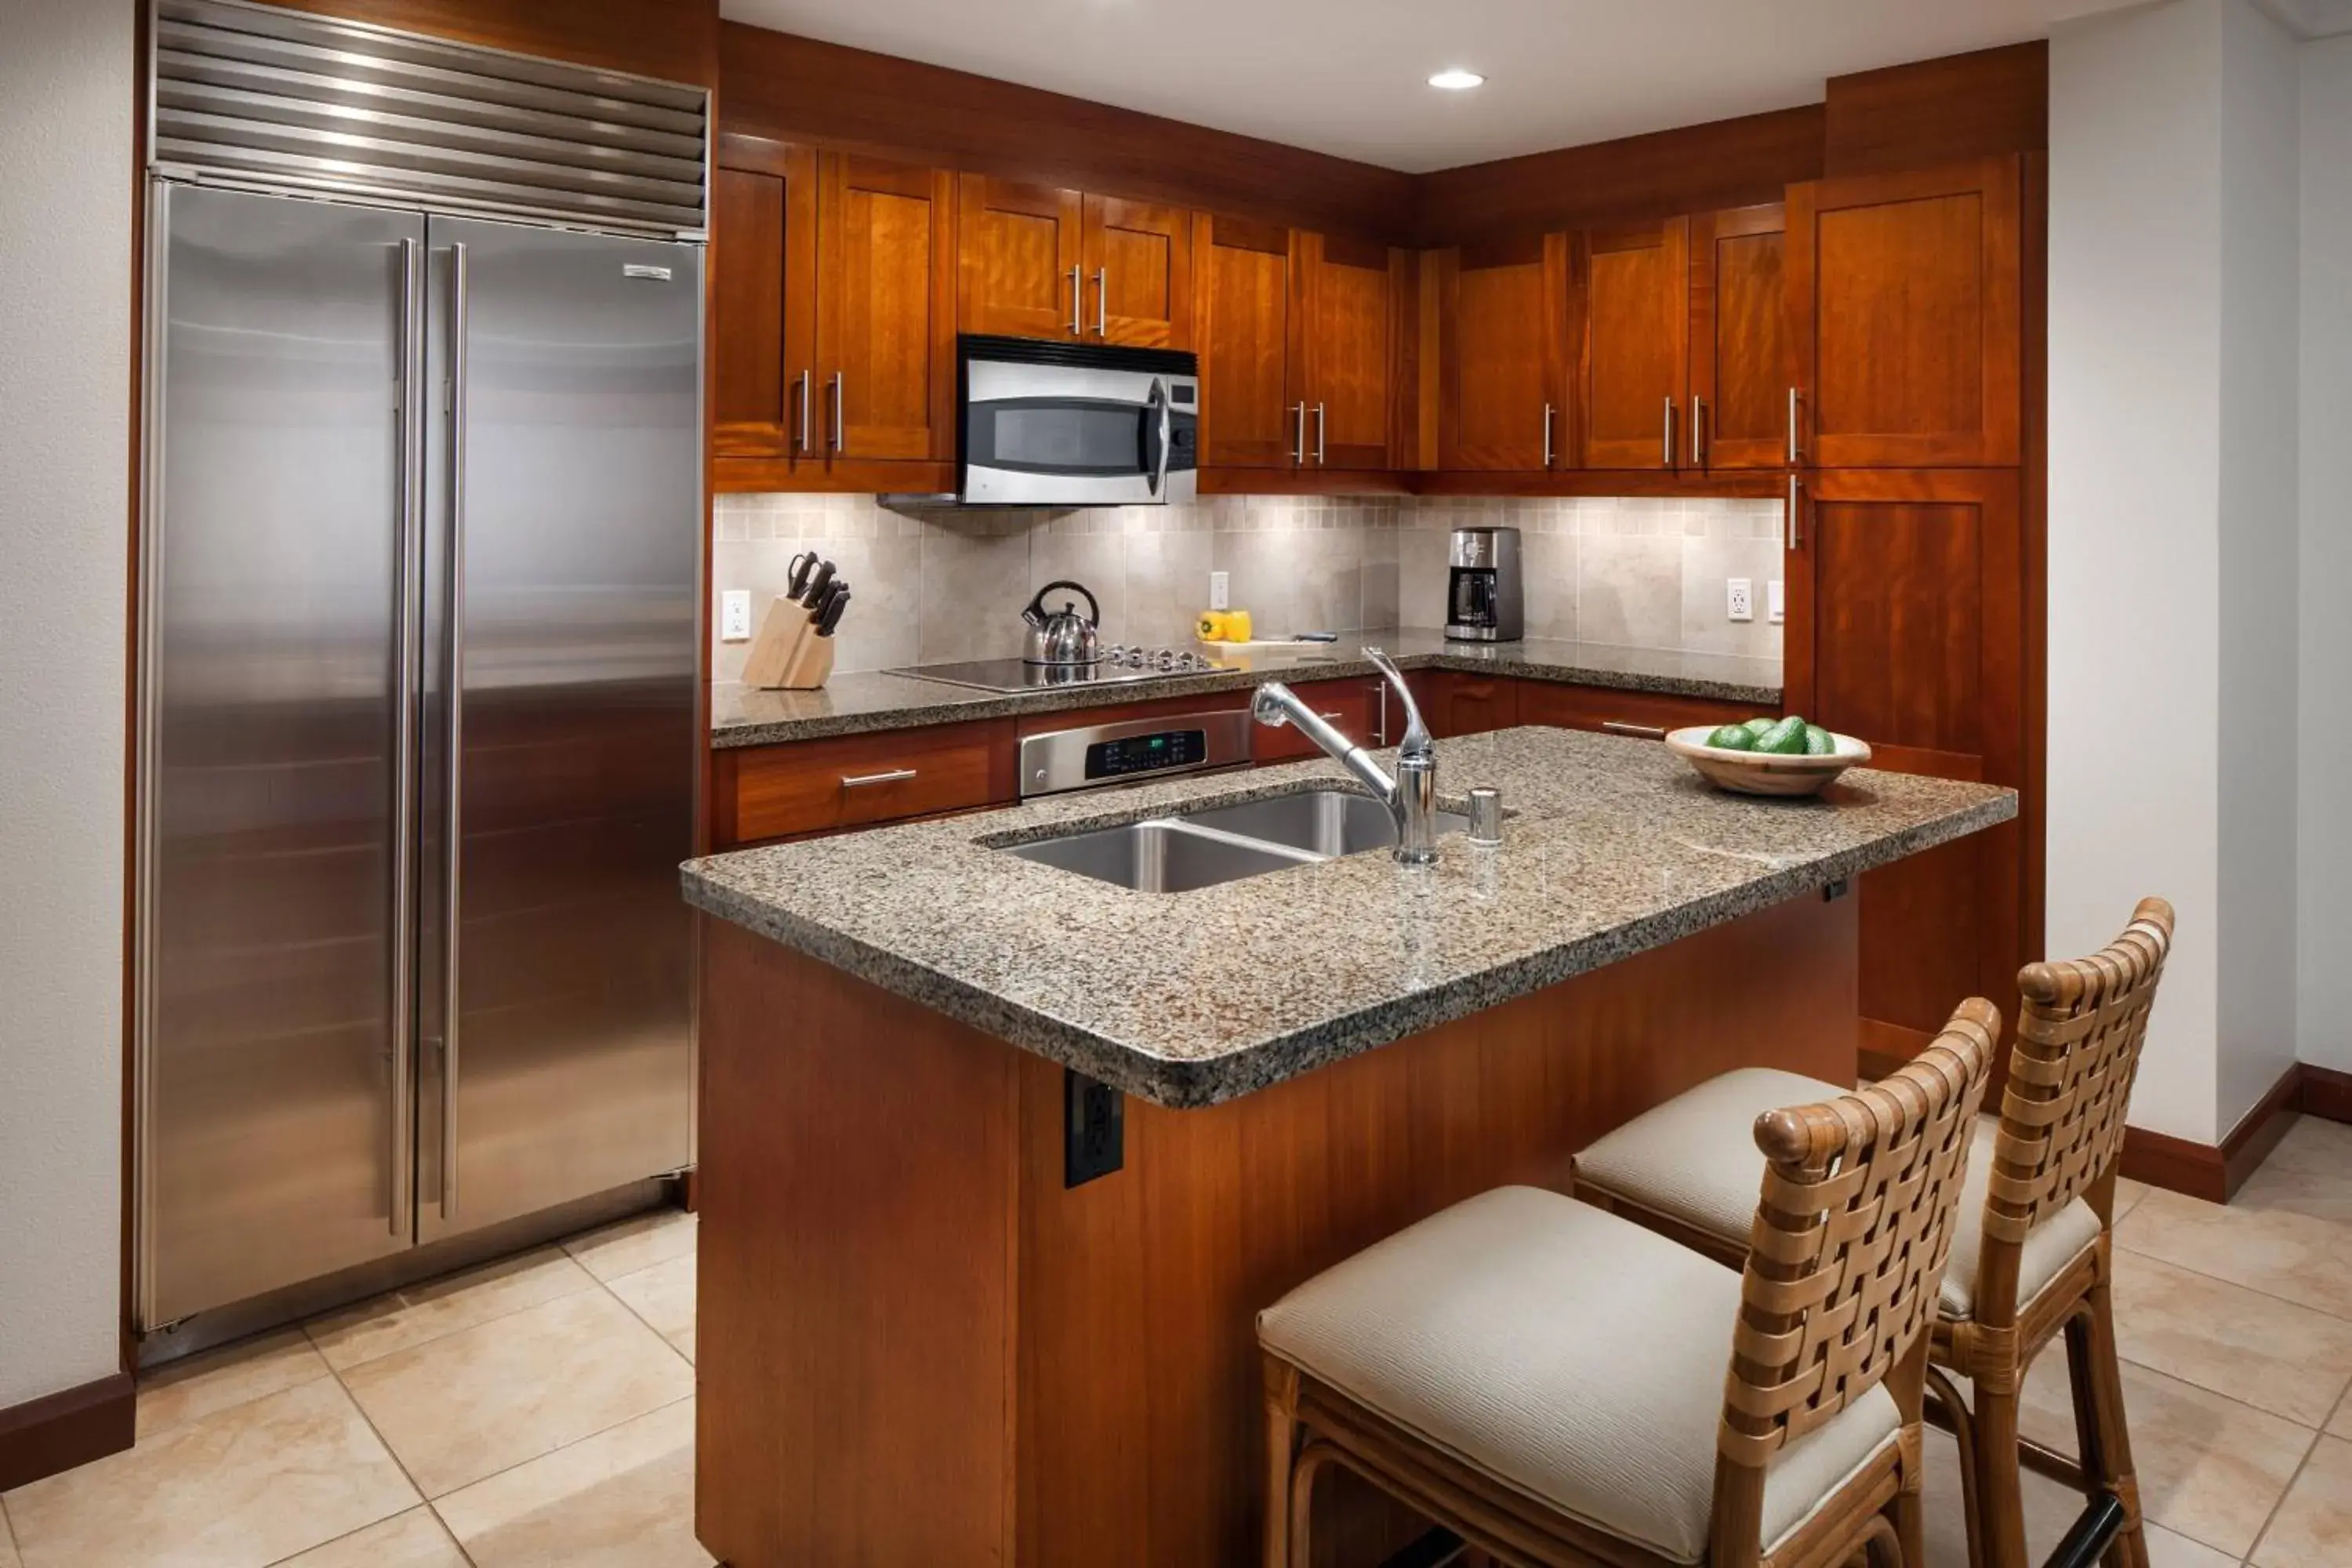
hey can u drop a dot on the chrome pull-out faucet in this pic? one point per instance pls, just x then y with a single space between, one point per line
1410 796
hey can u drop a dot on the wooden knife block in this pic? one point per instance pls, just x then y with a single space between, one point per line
788 655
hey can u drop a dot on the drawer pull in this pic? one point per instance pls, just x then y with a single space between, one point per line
1643 732
868 780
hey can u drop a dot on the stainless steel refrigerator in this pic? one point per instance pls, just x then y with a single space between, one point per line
421 584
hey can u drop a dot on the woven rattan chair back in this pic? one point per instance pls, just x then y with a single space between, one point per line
1849 1241
2079 1035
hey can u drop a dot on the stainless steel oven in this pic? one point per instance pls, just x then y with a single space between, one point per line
1055 423
1100 755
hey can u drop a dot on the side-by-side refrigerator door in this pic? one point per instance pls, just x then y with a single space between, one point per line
276 711
564 569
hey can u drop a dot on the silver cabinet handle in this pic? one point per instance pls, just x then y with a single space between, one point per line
1299 438
802 441
1796 512
1102 301
453 817
1547 438
1322 426
1796 445
1380 727
1666 459
839 420
1644 732
411 578
869 781
1698 431
1077 309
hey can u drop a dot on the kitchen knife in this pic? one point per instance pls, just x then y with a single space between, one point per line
797 583
833 608
814 597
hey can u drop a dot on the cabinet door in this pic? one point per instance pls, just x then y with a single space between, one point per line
1904 295
885 308
1352 329
1739 371
1904 628
1637 301
1018 257
1137 273
1502 318
1244 272
763 280
1473 704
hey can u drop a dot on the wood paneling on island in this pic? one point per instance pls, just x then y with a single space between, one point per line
920 1346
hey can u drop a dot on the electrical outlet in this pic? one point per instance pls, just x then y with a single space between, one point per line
735 615
1779 601
1221 591
1740 603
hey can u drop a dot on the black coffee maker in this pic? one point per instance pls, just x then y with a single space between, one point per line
1482 591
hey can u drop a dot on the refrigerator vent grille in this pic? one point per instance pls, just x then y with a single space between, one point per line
258 95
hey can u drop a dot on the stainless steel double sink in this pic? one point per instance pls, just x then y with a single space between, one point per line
1216 844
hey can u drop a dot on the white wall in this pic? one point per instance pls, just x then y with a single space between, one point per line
65 74
2135 478
2324 979
2258 529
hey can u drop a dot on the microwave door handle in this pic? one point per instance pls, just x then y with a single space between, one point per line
1158 431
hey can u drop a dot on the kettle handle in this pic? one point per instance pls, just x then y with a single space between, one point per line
1037 606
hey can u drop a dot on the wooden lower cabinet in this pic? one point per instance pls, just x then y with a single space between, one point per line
1905 628
1645 715
765 793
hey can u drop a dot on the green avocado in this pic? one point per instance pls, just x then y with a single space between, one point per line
1785 738
1733 738
1820 743
1758 726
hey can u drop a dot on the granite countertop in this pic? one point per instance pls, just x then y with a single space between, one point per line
859 704
1187 999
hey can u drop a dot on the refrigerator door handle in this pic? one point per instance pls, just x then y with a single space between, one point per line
452 823
409 584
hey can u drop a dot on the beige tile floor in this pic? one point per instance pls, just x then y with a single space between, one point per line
540 1411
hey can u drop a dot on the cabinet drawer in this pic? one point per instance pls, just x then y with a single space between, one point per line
1642 713
1351 705
818 786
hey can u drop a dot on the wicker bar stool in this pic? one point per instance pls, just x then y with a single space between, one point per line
1549 1381
2033 1253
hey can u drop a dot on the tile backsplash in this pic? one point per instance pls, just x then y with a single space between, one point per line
933 584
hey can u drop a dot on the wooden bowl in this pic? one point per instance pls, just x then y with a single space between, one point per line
1749 773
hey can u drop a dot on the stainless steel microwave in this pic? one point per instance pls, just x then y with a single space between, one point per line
1058 424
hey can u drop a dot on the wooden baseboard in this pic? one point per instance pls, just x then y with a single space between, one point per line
2215 1173
72 1427
2324 1093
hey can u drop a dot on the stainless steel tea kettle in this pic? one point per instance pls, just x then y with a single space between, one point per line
1063 636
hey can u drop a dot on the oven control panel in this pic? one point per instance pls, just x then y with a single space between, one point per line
1101 756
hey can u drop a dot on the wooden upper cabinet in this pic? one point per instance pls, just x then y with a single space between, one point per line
1138 274
885 309
763 280
1243 299
1353 348
1503 321
1636 310
1903 294
1020 251
1739 368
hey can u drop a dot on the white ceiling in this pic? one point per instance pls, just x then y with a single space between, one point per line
1350 77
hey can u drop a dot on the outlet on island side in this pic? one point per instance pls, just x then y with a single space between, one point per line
1739 602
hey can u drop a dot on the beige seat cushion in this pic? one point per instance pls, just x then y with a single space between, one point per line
1567 1354
2049 1246
1693 1160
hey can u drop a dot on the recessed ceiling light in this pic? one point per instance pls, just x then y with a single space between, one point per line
1456 79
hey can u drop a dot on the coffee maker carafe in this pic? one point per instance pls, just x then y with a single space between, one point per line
1482 593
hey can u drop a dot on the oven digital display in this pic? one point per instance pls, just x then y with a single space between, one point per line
1147 753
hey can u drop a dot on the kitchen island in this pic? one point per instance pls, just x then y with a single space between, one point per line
998 1161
